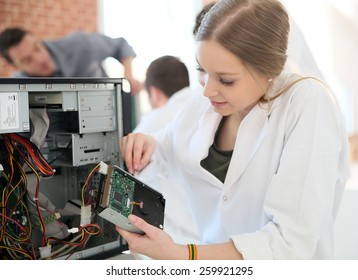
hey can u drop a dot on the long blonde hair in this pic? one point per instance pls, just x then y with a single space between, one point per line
256 31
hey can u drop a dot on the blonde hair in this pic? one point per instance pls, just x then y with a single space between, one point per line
256 31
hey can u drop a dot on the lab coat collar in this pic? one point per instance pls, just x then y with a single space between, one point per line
252 131
200 143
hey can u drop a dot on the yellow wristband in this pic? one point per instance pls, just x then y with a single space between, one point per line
192 252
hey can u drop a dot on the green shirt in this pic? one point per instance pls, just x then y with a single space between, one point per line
217 162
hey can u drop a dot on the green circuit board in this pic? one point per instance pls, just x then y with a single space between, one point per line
121 193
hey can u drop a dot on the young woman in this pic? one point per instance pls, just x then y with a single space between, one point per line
262 155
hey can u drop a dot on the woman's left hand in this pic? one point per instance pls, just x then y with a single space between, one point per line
154 243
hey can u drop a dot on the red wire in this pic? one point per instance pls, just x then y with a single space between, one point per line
34 154
14 221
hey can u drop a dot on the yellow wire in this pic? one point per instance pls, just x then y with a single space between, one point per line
30 228
93 233
85 184
6 194
23 178
3 212
17 250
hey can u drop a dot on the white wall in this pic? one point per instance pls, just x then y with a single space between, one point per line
154 28
331 30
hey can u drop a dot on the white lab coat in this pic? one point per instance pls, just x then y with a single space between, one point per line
285 180
159 117
179 224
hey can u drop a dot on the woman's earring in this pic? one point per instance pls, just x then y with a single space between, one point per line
270 80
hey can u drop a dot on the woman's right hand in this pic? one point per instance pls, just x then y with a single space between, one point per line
137 150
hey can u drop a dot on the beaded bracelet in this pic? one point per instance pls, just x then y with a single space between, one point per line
192 252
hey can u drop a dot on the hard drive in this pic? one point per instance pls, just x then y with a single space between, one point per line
121 194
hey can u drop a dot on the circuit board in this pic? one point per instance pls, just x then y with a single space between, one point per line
121 194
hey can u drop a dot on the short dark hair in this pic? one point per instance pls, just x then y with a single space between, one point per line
10 37
167 73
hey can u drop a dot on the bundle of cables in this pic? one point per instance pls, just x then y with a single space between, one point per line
15 228
16 225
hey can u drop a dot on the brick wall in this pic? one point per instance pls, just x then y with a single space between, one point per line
47 19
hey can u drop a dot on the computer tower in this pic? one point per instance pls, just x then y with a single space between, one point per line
72 124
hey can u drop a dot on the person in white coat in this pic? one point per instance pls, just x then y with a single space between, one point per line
167 83
263 155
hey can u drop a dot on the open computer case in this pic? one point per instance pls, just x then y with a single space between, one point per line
53 133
